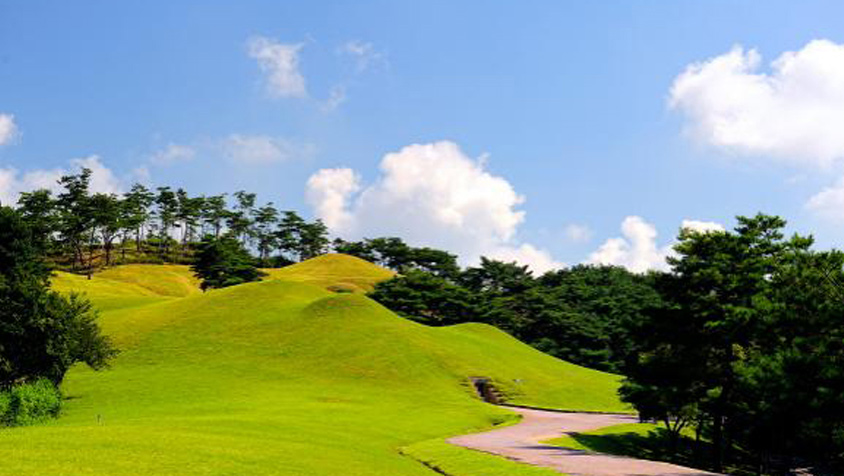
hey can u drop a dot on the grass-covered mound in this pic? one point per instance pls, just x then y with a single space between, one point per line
131 285
335 271
281 377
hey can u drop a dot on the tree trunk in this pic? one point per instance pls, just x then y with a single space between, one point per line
717 442
697 451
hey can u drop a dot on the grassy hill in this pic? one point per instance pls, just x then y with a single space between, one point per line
282 377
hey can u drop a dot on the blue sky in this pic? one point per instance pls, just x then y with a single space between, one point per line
566 103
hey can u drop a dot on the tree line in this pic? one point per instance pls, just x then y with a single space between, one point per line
81 229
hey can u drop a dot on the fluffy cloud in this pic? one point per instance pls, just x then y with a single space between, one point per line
12 183
261 150
173 153
537 259
8 129
364 54
636 251
280 64
794 112
431 195
828 204
328 191
701 226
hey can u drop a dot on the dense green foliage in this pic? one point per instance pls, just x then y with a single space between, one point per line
42 333
748 346
580 314
29 403
223 262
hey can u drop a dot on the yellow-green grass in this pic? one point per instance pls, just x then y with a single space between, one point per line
131 285
336 271
285 378
164 280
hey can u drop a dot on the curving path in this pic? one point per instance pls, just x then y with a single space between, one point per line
521 442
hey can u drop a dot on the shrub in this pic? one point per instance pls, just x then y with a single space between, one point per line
30 403
5 406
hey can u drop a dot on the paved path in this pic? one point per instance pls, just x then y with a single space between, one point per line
521 442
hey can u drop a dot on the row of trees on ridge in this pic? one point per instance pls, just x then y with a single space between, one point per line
84 228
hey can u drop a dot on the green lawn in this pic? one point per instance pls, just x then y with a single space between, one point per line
283 377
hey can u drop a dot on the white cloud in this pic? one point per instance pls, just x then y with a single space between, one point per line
261 149
576 233
173 153
364 54
701 226
829 203
280 63
538 260
328 192
636 251
431 195
8 129
793 112
12 183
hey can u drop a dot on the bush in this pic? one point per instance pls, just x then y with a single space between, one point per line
30 403
5 406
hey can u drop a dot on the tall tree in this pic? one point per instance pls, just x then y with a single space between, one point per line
239 221
137 203
214 213
74 214
266 220
289 233
188 213
167 207
107 213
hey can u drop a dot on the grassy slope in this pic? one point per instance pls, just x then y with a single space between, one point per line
281 377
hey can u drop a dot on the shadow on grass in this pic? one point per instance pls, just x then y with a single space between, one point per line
656 445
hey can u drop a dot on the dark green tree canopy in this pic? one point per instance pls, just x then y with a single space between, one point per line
224 262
